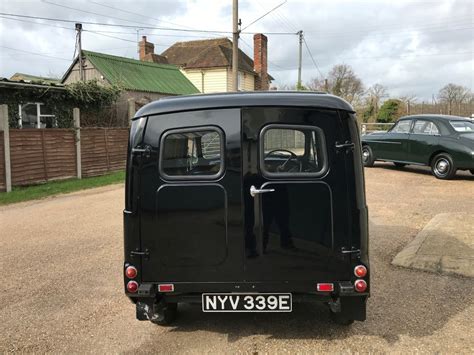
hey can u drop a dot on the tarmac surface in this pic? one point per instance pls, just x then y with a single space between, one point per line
61 261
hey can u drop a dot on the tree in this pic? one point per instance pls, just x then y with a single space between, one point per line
376 93
408 100
389 111
341 81
453 94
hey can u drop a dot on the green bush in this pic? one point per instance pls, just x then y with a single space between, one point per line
390 111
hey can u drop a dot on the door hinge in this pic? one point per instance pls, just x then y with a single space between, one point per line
351 251
347 145
145 254
146 152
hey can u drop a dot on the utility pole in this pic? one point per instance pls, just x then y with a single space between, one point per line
79 44
235 45
298 83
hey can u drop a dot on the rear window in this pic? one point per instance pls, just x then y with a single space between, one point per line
192 153
292 151
462 126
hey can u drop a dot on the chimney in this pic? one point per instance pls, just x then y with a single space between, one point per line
260 61
145 48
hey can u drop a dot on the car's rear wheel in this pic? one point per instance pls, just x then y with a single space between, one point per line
367 156
400 165
442 166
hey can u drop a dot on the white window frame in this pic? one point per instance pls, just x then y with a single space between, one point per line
38 114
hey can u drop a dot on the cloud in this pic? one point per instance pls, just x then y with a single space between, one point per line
411 47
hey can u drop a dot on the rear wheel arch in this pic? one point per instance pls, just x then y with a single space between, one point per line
434 154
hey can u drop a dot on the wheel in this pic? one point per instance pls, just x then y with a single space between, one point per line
164 313
399 165
442 166
367 156
339 318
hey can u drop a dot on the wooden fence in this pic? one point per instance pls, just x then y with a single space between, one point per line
39 155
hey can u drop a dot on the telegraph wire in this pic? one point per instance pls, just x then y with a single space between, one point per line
312 58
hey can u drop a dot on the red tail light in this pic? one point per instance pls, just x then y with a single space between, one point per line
325 287
360 285
166 288
132 286
131 272
360 271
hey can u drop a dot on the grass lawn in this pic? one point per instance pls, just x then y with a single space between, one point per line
19 194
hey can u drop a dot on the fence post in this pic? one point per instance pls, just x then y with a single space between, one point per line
4 126
131 110
76 113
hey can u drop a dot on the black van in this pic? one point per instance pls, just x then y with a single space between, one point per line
246 202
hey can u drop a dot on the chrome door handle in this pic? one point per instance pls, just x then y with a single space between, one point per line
254 191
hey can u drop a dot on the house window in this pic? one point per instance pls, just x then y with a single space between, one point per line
36 115
240 81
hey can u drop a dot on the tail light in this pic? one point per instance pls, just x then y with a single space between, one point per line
360 271
131 272
360 285
132 286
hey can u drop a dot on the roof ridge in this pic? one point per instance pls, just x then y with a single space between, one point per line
131 60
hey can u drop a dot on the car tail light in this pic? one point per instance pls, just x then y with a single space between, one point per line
132 286
360 285
360 271
325 287
131 272
166 288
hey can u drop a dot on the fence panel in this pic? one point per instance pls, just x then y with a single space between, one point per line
2 163
103 150
60 153
27 156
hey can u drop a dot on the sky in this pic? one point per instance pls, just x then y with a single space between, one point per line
410 47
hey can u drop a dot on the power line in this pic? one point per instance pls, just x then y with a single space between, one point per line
130 26
265 14
35 53
312 58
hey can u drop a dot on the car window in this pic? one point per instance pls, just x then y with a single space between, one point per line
462 126
402 127
425 127
192 153
292 150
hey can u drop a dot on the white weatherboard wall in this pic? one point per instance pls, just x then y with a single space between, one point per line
215 80
248 83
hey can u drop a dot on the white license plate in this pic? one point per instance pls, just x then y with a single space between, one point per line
246 302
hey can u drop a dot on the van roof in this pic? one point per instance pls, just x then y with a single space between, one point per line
244 99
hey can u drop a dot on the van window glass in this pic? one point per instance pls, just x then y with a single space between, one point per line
402 127
292 151
192 153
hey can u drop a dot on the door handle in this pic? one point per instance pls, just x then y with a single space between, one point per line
254 191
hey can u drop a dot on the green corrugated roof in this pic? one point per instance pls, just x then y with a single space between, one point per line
137 75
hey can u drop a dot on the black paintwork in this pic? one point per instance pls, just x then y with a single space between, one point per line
210 235
420 149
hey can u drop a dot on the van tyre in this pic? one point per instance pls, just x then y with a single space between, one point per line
340 318
442 166
164 313
367 156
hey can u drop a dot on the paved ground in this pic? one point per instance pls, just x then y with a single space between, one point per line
61 262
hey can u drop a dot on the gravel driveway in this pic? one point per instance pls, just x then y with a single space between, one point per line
61 262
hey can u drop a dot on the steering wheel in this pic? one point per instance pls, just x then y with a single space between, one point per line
281 167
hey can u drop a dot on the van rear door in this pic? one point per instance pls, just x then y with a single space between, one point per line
296 207
190 198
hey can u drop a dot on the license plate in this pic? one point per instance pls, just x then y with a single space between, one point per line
246 302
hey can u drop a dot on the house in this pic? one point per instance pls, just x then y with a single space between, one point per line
142 81
208 63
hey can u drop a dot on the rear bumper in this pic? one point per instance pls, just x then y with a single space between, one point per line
191 291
